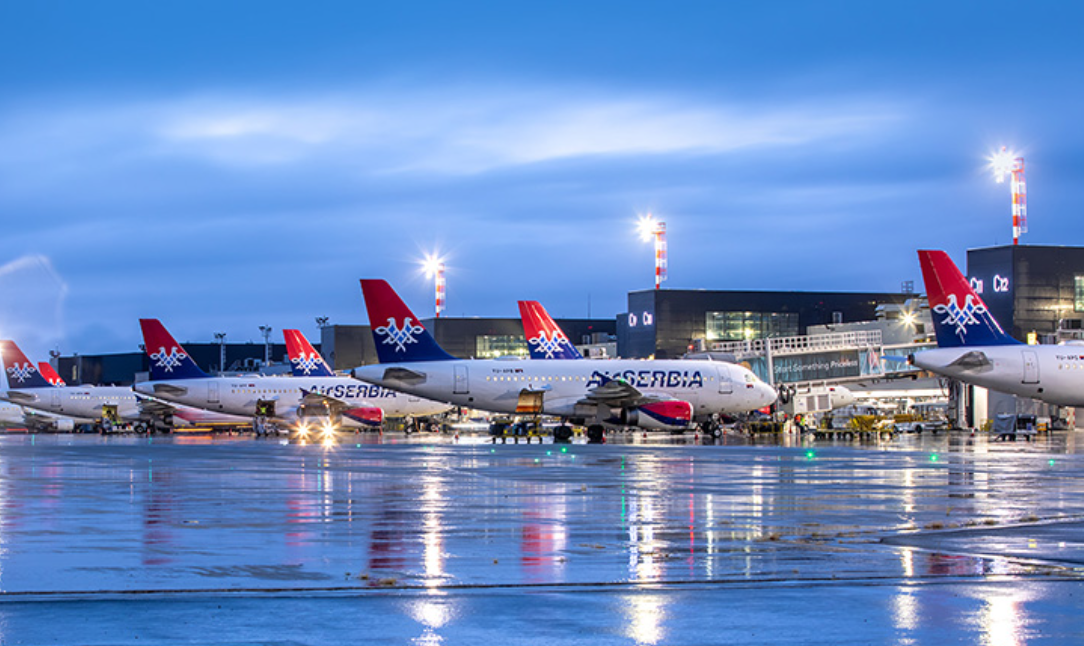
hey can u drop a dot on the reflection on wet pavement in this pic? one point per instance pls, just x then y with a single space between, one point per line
436 518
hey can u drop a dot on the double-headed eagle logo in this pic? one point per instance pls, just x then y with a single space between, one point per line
959 317
21 372
306 362
168 360
400 337
549 345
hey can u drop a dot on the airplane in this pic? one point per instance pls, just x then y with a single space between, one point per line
46 369
344 401
545 339
658 395
973 348
84 404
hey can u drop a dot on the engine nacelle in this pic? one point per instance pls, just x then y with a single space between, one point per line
64 425
668 415
365 416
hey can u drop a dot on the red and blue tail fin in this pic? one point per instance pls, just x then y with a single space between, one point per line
20 371
398 334
304 359
168 358
960 318
47 371
544 339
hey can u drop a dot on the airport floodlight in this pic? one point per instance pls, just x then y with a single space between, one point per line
1005 162
433 266
650 228
221 338
321 322
266 331
1001 163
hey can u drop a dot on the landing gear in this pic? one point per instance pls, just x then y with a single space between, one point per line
562 433
595 433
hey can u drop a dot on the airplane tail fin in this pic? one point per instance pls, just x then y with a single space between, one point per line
398 334
47 371
960 318
168 358
21 373
305 361
545 340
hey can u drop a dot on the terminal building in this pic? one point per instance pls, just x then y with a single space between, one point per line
1035 292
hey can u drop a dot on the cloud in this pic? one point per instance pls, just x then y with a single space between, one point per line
452 130
34 294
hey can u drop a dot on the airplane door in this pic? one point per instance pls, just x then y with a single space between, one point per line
1031 367
56 401
212 392
462 384
726 386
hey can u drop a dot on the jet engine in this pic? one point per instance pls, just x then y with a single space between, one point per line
670 415
368 416
64 425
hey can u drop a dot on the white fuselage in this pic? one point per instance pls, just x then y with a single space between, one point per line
1049 373
240 395
496 385
84 402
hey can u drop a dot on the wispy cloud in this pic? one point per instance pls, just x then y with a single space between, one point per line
453 130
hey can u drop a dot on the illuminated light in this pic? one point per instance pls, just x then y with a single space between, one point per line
934 457
564 449
1051 462
646 226
1001 163
549 452
809 455
433 266
536 460
909 318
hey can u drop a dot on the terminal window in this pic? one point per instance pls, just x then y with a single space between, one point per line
1078 300
740 326
491 346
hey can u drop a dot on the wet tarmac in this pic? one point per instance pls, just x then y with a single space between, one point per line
642 540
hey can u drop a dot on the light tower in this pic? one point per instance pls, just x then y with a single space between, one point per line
650 227
434 268
1005 162
266 331
221 338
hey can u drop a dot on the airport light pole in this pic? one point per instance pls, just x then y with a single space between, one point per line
434 268
221 338
650 228
266 331
1005 162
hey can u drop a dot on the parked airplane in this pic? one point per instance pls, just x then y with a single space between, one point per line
974 349
27 387
175 377
663 395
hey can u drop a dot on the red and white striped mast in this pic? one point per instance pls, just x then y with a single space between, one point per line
434 268
652 228
1005 162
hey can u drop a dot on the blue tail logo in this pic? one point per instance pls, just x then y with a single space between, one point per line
960 317
21 373
167 361
555 344
308 364
399 336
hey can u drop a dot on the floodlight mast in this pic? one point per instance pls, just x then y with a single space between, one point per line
650 228
434 267
1004 163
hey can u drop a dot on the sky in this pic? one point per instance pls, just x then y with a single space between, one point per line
227 165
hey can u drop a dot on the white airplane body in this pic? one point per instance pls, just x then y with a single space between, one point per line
176 378
660 394
974 349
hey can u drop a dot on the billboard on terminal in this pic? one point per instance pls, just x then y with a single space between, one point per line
819 366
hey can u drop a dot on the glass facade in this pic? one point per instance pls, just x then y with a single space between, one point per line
492 346
1078 293
740 326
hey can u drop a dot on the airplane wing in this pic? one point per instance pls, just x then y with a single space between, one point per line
974 360
620 393
333 406
154 407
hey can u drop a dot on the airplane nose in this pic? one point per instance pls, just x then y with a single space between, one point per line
767 395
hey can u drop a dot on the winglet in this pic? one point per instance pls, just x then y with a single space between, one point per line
21 373
545 340
305 361
168 358
47 371
960 318
398 334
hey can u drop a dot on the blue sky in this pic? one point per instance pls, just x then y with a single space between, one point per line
223 166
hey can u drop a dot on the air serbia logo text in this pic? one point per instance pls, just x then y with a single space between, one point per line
400 337
22 372
306 363
549 345
959 317
168 360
